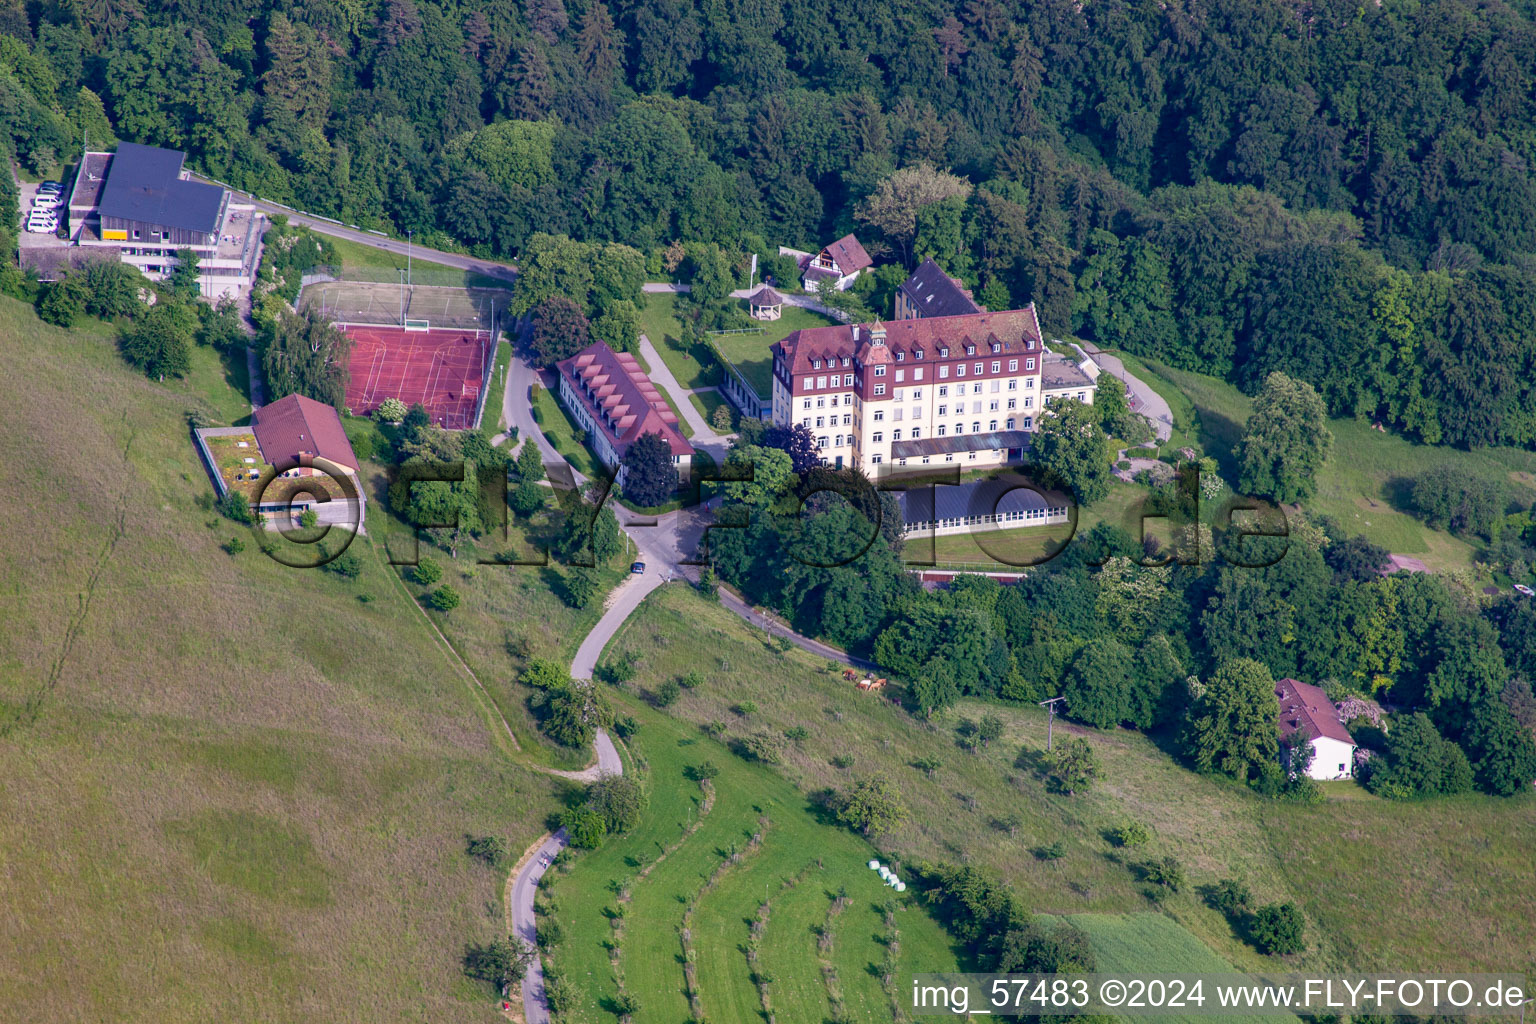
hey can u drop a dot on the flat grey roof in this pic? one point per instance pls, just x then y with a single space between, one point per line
1057 371
994 496
144 184
961 443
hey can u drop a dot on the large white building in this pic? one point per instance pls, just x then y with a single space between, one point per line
140 203
963 389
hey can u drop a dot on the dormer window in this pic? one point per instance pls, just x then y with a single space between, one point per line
996 348
901 357
944 352
847 361
918 354
970 350
815 364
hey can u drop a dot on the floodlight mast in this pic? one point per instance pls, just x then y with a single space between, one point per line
1050 705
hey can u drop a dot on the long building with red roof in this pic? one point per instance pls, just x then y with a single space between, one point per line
611 398
947 389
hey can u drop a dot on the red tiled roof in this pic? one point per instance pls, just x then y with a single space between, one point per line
624 396
1302 704
298 428
1015 330
848 254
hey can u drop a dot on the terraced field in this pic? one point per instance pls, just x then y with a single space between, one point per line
823 861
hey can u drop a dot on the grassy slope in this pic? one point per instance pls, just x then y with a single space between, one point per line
244 792
750 352
1384 885
1364 484
650 947
1132 944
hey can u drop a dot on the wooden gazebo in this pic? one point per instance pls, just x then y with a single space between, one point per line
765 304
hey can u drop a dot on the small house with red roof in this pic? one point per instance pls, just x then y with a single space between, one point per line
837 266
616 403
293 457
1305 708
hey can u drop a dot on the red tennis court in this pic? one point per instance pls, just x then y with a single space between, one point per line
443 369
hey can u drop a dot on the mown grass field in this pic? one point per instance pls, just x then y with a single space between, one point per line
563 432
1140 944
1365 483
1384 886
823 859
750 352
371 263
697 366
233 790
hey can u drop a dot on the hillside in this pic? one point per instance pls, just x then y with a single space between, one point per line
1384 885
232 790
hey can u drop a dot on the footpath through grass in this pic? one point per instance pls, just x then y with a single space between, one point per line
826 859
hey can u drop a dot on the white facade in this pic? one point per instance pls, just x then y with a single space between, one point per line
1331 759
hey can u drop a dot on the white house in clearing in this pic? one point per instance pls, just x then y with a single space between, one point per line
1306 707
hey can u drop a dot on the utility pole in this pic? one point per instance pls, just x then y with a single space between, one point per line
402 298
1050 705
408 255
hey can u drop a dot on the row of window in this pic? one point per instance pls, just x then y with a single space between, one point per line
916 433
819 382
1015 516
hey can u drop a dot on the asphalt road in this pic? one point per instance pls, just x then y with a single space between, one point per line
489 268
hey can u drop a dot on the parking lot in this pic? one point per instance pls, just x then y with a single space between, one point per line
31 240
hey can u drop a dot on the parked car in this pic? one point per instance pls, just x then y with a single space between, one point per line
47 202
638 568
43 225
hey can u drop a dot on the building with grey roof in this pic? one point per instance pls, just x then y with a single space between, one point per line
141 203
995 503
931 292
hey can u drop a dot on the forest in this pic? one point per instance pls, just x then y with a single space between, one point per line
1337 191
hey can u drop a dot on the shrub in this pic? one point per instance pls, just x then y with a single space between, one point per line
667 693
842 761
1278 929
1230 896
1051 851
1167 872
391 410
234 545
445 598
585 827
346 564
234 505
1132 833
427 572
309 519
487 848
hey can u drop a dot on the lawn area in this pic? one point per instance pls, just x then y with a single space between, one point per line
750 352
1132 944
823 858
563 432
698 368
1384 885
706 402
379 264
658 322
1367 477
237 790
221 380
1005 550
491 415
